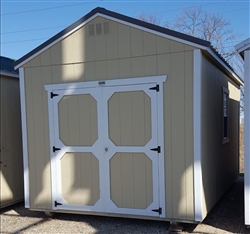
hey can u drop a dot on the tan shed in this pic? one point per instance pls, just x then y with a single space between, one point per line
243 49
125 118
11 156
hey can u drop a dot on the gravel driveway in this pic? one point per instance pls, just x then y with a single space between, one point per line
226 217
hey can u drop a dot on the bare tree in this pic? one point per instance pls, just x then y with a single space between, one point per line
212 27
215 28
208 26
150 18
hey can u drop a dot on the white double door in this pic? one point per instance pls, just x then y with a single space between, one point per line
104 149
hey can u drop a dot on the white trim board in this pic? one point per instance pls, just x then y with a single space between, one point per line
54 42
247 136
242 46
25 139
10 74
197 123
118 82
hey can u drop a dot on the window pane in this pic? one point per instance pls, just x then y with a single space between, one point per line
225 96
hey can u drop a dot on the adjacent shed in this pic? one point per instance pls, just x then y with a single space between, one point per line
244 50
11 157
125 118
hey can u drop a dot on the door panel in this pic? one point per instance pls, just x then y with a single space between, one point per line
131 180
78 120
131 111
76 160
80 177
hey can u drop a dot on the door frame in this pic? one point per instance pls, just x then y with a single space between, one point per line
69 88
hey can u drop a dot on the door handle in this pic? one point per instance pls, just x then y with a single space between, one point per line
106 149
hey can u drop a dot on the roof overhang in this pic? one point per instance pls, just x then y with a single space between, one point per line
242 46
10 74
132 22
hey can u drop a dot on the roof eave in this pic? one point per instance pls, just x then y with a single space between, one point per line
242 46
9 74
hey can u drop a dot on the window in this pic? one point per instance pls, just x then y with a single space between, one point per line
225 123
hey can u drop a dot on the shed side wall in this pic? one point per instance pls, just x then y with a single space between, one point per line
124 52
11 164
219 161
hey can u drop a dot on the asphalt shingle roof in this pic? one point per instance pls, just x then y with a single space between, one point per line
7 64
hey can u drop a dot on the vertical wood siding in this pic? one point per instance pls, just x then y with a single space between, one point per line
219 161
11 160
124 52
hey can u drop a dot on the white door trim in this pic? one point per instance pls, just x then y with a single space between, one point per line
73 88
88 84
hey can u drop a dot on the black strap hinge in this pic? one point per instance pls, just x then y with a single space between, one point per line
158 149
157 88
158 210
53 94
55 149
57 204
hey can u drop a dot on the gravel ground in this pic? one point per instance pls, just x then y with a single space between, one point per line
226 217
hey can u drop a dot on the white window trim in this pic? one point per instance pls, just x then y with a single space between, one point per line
197 123
25 139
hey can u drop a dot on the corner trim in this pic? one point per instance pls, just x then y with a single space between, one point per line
197 123
24 136
247 136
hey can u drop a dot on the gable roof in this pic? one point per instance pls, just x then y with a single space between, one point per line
155 29
7 67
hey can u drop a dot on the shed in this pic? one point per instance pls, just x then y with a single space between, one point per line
11 157
125 118
243 49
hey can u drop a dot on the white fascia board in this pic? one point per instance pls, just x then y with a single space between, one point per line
153 32
10 74
247 136
25 139
54 42
197 137
244 45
